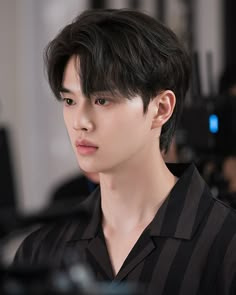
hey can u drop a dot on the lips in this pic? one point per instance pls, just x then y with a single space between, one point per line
85 147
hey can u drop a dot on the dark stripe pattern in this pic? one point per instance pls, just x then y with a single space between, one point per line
188 249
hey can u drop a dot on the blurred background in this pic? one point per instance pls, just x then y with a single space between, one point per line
35 153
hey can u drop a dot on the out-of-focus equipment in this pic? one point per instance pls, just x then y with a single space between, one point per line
209 125
207 130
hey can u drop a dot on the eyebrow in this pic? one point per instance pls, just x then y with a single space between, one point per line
65 90
106 93
102 93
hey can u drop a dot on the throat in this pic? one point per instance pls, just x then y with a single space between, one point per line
128 216
119 246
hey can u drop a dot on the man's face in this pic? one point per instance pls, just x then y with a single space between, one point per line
106 132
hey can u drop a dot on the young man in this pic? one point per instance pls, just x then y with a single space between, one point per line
122 77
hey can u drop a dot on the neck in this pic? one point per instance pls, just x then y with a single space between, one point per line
132 196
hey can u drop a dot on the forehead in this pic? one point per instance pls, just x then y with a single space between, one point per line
71 77
71 82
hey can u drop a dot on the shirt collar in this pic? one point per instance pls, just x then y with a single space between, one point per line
178 217
185 206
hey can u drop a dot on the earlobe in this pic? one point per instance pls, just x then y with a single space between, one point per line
164 107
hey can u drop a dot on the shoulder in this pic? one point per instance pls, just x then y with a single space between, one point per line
50 240
42 241
226 244
216 244
225 241
225 210
222 219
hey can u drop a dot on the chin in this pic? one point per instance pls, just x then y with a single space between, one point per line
88 168
95 166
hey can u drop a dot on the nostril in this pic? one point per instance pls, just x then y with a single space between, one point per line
84 129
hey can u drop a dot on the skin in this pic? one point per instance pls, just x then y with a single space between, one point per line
134 179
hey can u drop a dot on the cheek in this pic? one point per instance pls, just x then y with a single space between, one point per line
67 119
129 129
68 123
65 116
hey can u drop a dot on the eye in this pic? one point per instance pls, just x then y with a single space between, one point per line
101 101
68 101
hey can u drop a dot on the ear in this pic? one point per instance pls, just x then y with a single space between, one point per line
163 104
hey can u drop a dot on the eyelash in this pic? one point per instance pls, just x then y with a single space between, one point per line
70 102
101 99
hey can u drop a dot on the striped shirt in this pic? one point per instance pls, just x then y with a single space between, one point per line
189 248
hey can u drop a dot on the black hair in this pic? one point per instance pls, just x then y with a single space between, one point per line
227 79
125 51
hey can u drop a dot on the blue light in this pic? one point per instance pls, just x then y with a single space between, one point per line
213 123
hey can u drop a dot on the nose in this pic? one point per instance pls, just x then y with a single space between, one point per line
83 120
